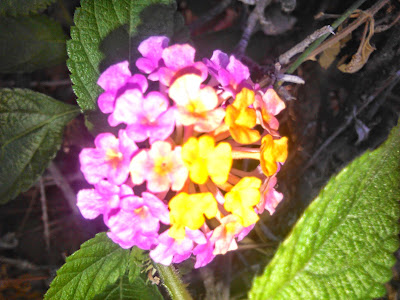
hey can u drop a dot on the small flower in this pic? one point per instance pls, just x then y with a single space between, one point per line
100 200
224 235
242 198
204 252
110 159
161 166
196 105
113 80
273 151
270 104
170 250
203 159
137 221
189 210
179 59
229 71
151 49
270 198
240 118
146 117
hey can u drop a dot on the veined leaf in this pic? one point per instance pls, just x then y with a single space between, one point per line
89 270
343 245
31 130
136 259
30 43
23 7
123 289
109 31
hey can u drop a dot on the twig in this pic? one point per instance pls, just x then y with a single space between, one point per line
209 283
386 87
381 28
45 216
51 83
285 57
209 15
227 278
19 263
64 186
251 23
361 20
315 44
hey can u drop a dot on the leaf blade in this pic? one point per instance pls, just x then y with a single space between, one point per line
31 129
124 289
88 271
23 7
339 249
30 43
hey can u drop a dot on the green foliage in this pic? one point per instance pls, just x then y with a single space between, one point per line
108 32
23 7
31 131
342 247
30 43
89 270
124 289
136 259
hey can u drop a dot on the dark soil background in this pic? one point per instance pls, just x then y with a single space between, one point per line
322 142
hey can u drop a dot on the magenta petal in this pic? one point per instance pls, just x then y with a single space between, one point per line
93 165
165 126
157 207
153 46
128 106
145 65
90 203
178 258
106 102
138 81
178 56
220 59
162 254
155 104
196 235
245 232
137 132
238 70
114 76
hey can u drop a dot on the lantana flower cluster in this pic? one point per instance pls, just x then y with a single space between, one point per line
174 181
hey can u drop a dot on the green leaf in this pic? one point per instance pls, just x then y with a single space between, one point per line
23 7
89 270
108 32
123 289
343 245
136 260
30 43
31 131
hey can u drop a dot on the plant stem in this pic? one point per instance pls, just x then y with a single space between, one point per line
313 46
173 283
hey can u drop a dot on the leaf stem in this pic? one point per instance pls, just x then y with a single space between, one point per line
314 45
173 283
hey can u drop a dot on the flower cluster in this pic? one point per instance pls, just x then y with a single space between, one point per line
189 128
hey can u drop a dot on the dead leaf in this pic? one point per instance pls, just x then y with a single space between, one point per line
360 58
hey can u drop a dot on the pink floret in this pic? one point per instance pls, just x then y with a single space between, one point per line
146 117
100 200
138 221
179 59
170 250
151 49
230 72
109 160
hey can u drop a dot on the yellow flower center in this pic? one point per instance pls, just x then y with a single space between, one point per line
113 157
